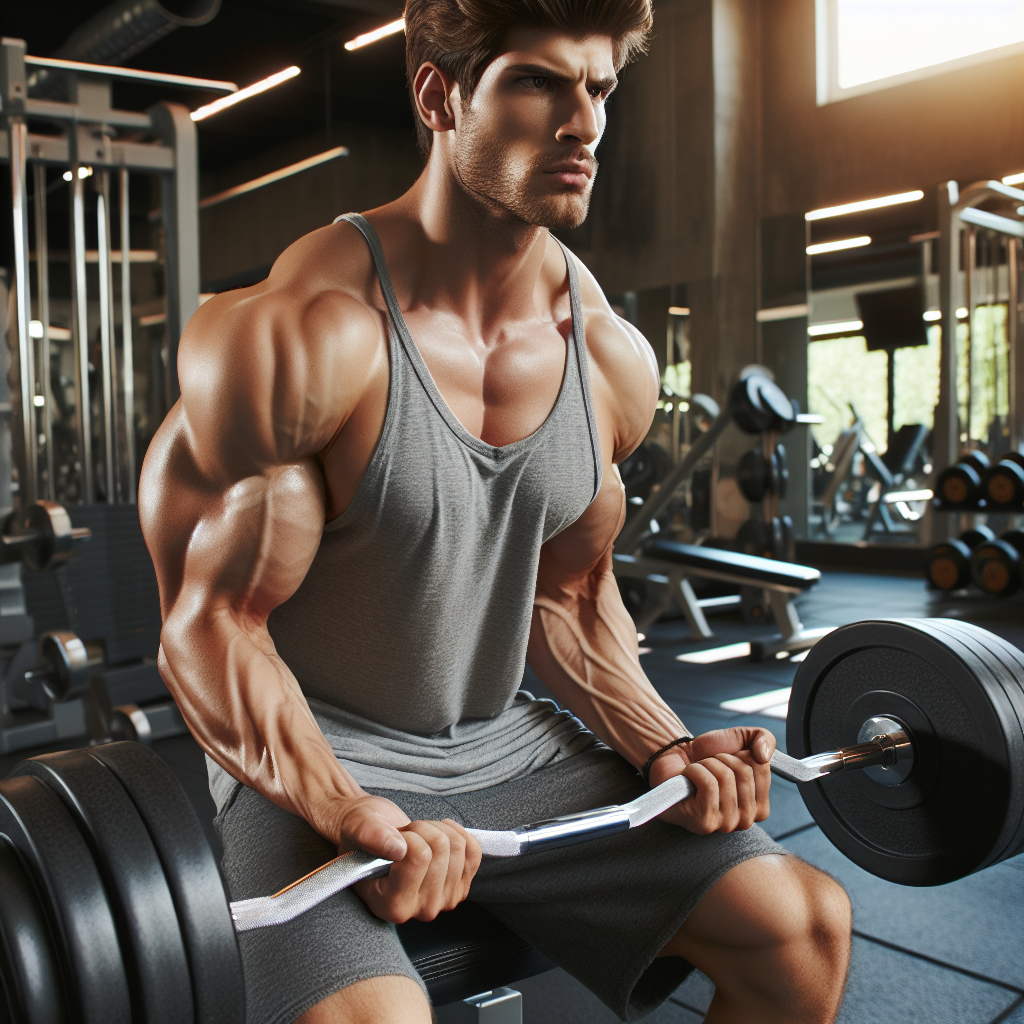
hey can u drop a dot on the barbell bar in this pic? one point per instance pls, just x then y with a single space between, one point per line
43 538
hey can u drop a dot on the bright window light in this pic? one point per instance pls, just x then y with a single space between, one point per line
1014 179
865 204
931 315
882 38
836 327
836 246
378 33
83 172
961 313
243 94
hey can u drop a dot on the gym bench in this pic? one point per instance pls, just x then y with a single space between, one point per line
665 566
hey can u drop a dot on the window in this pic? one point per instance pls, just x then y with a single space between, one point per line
864 45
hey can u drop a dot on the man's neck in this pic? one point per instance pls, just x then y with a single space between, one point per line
475 259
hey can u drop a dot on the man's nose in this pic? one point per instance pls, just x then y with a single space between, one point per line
583 125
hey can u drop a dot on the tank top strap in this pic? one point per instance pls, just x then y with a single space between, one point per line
366 229
578 353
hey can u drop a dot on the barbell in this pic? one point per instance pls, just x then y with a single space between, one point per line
114 910
42 538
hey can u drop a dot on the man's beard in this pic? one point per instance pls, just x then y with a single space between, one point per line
517 185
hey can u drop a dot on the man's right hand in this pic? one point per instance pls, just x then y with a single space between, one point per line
435 861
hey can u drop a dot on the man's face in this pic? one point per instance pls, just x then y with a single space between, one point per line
525 142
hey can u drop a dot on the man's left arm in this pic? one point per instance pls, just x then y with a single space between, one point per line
583 643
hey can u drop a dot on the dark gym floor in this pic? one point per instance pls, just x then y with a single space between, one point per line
953 954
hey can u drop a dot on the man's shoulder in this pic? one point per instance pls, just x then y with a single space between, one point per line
303 342
624 364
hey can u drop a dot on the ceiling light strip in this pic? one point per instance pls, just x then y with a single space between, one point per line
243 94
839 244
378 33
866 204
838 327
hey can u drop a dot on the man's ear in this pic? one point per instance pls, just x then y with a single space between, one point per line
434 98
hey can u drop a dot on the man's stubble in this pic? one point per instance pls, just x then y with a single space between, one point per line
516 185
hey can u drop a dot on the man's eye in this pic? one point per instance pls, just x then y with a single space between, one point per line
536 82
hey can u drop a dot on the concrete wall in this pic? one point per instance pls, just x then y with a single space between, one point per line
241 237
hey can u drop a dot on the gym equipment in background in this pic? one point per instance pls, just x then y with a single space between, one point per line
664 567
1002 485
906 740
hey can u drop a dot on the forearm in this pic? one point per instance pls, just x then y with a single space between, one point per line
245 708
583 647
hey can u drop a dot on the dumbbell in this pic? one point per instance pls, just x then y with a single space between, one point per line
774 539
961 484
43 538
996 564
758 475
1003 483
949 561
63 666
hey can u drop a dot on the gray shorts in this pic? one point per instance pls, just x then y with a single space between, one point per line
601 910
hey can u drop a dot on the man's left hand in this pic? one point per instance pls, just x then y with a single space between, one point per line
730 769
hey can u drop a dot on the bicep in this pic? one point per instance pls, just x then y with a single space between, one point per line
241 545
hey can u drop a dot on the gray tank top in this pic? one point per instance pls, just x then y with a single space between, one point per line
408 634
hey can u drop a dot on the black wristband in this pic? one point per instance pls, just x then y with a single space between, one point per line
646 770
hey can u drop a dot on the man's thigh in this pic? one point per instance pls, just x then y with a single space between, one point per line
602 910
293 967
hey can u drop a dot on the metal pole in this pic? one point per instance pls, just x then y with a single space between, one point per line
126 337
1013 341
106 315
971 245
181 220
80 329
43 283
28 487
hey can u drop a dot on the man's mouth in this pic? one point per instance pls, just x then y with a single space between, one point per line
574 174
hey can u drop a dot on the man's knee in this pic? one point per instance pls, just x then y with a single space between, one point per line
390 999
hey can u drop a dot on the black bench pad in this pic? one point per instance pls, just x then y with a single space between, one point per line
466 951
766 571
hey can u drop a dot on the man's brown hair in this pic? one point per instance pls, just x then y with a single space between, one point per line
463 36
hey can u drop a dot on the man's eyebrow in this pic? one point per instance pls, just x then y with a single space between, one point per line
604 84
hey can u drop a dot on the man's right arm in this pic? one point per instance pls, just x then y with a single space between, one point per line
232 505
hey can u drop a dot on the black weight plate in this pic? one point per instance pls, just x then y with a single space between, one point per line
1015 538
754 538
192 877
778 535
949 565
773 398
158 975
978 461
961 781
978 535
788 540
29 968
995 568
1007 664
752 475
1015 457
780 483
958 485
745 403
71 892
1003 484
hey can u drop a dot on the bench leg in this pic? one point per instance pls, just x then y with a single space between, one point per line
687 601
499 1006
793 635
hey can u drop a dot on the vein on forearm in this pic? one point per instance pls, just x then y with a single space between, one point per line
594 667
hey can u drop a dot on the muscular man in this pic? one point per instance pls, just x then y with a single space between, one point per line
389 481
